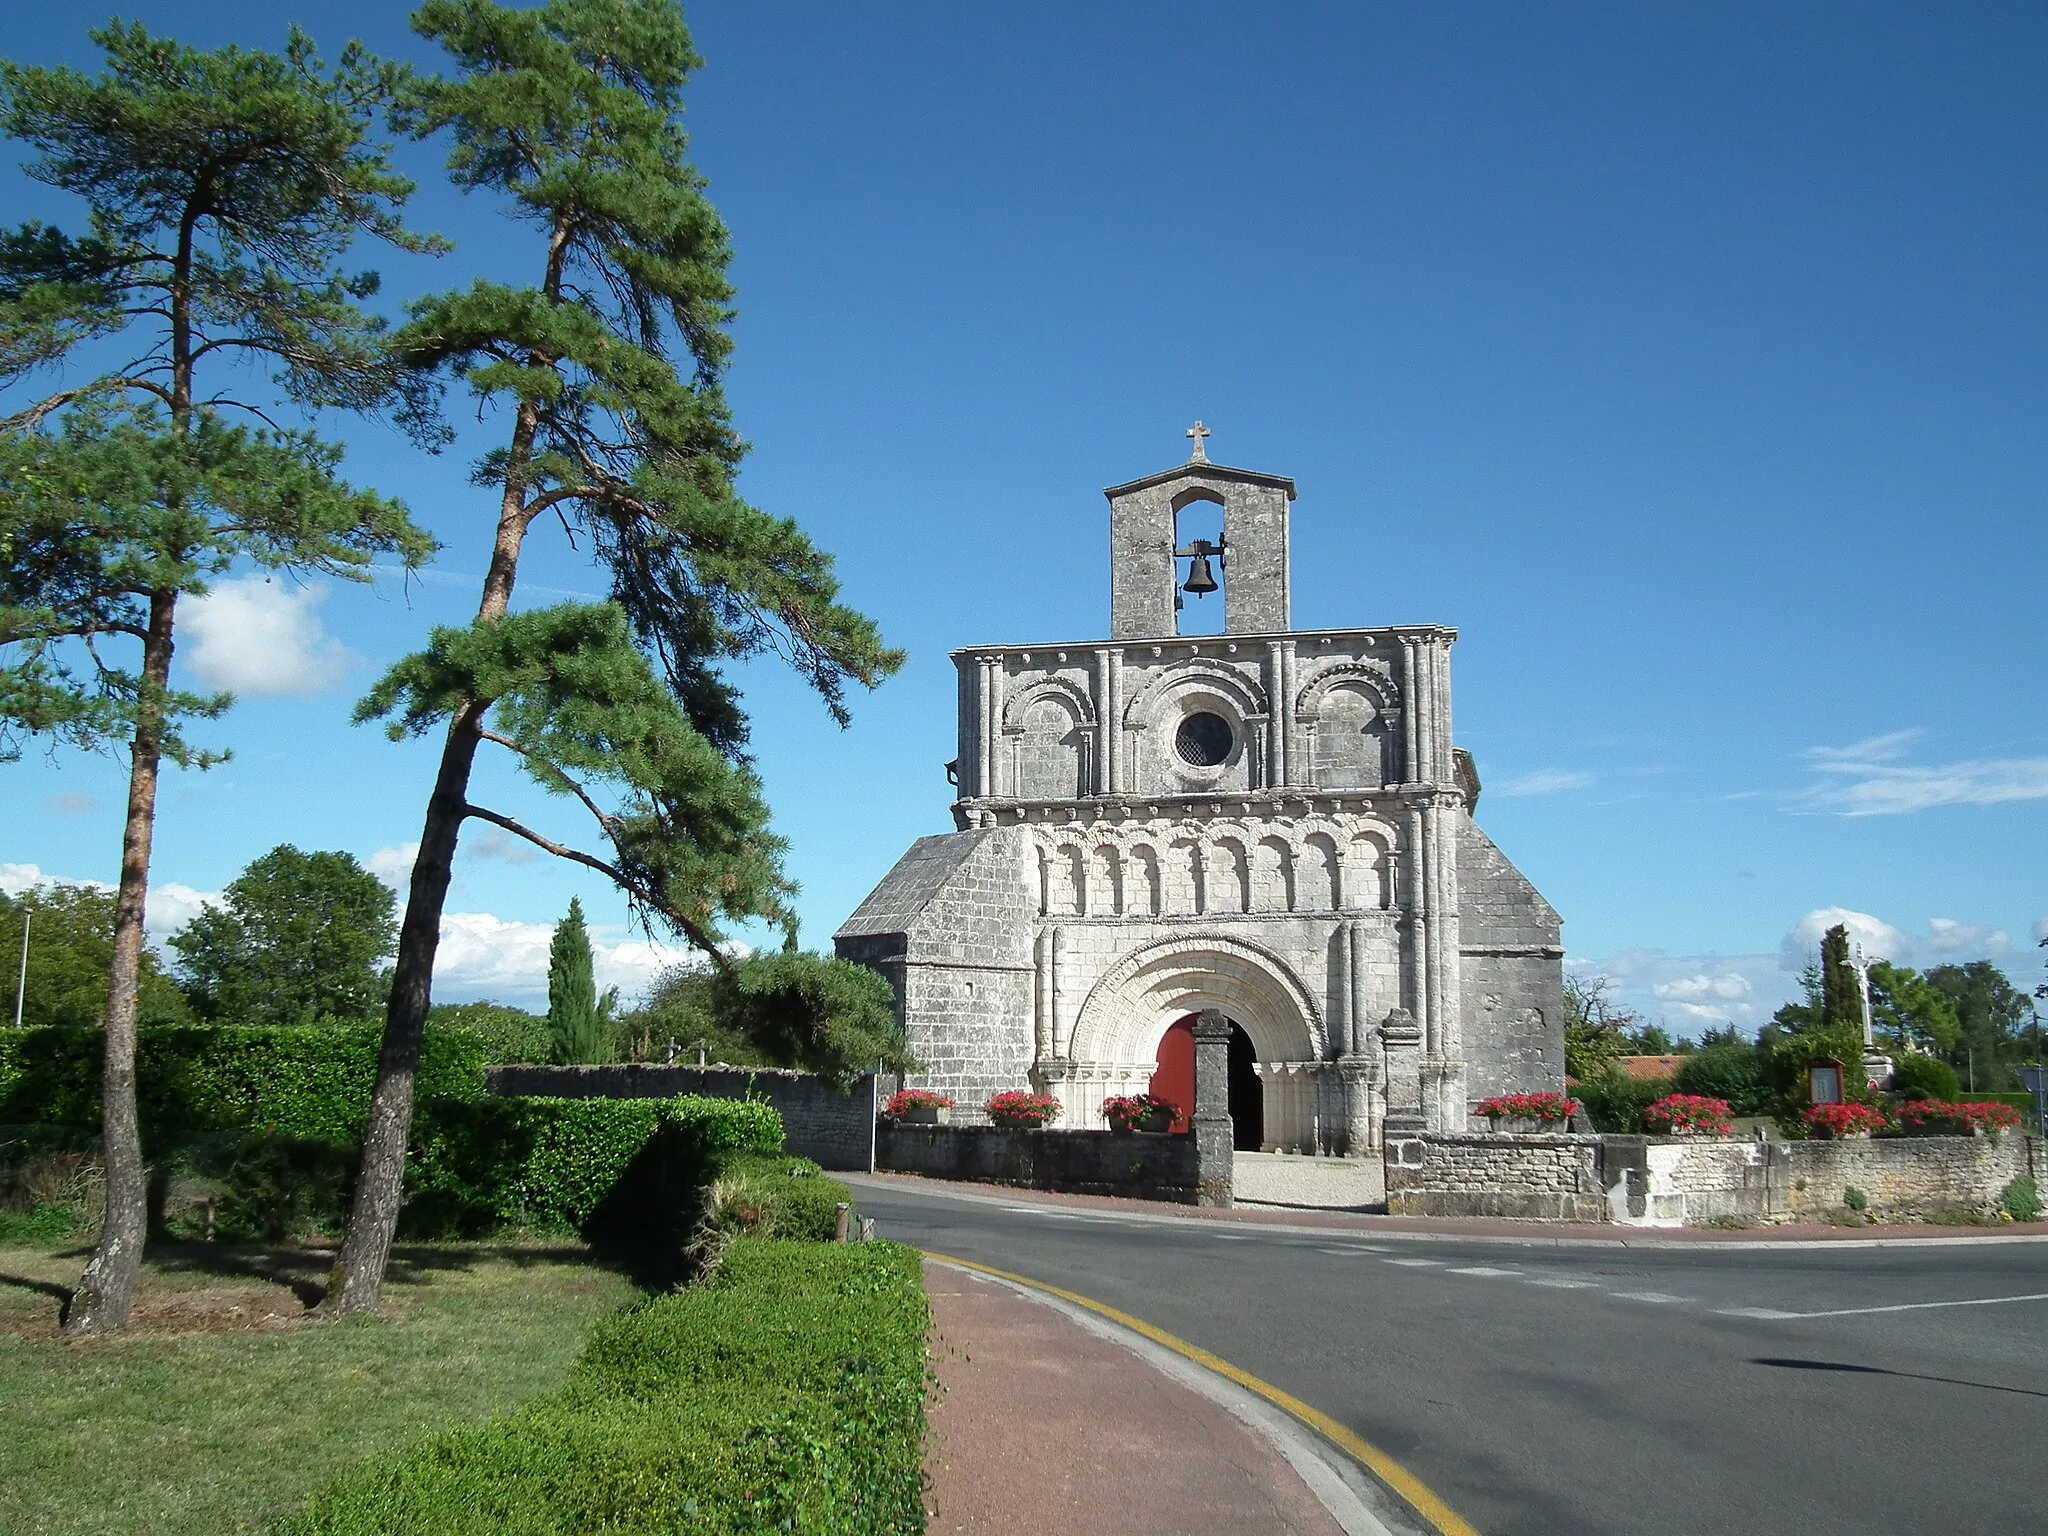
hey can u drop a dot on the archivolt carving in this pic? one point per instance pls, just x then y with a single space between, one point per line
1059 688
1127 1011
1241 691
1375 676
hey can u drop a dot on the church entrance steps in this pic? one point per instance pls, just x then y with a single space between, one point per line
1309 1183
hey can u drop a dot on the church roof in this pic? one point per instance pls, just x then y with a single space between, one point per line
914 884
1201 469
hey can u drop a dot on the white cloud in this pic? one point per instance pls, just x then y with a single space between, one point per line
1547 781
1945 941
1867 778
70 804
393 865
496 843
2041 930
260 637
171 905
484 956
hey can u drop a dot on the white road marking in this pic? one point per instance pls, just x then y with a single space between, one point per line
1412 1263
1560 1283
1906 1306
1657 1297
1355 1248
1768 1313
1481 1269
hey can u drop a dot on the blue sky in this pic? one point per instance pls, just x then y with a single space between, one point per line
1689 360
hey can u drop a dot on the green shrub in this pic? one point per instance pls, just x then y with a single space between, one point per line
2021 1200
787 1394
1615 1102
1925 1077
628 1174
764 1195
311 1083
1736 1073
509 1036
1855 1199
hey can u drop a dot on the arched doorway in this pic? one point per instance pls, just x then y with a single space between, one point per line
1173 1079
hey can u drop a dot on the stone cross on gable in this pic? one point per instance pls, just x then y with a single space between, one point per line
1200 453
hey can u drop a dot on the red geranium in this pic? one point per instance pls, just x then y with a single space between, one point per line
1017 1107
1548 1107
1124 1113
1836 1120
1689 1114
1929 1117
902 1103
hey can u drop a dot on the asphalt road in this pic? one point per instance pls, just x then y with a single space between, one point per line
1545 1391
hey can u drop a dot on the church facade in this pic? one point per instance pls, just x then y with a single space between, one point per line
1270 822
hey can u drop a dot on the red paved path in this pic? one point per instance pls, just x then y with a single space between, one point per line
1040 1426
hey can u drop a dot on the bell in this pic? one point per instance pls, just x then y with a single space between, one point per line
1200 581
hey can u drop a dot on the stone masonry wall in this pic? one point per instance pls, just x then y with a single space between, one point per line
835 1130
1512 958
1544 1178
1078 1162
1673 1181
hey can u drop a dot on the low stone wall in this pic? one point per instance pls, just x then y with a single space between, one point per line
1077 1162
1903 1178
1675 1181
1537 1177
835 1130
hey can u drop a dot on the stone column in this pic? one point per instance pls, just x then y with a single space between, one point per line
1355 1073
1292 769
1056 984
1213 1132
998 676
1105 731
1113 725
1409 723
1276 716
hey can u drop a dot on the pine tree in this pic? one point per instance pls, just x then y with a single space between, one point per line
607 369
578 1020
222 190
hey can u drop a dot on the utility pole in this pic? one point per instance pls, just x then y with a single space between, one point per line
21 982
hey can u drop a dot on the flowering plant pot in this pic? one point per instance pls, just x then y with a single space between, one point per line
1020 1110
1839 1122
1930 1117
1541 1111
1140 1112
919 1106
1688 1114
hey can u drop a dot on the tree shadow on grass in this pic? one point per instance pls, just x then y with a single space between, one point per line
1879 1370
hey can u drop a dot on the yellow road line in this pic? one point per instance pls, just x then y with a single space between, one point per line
1389 1471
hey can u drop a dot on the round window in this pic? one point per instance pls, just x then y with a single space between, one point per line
1204 740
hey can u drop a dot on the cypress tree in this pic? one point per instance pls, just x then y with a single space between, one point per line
1841 989
579 1024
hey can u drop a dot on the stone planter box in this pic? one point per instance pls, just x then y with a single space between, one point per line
925 1114
1158 1123
1080 1162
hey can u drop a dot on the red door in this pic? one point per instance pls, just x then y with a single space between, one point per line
1174 1078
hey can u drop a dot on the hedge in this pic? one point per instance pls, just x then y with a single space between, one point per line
787 1394
309 1083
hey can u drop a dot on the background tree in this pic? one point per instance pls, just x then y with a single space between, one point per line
296 938
71 948
579 1021
1992 1019
509 1036
608 370
221 191
1593 1028
1909 1013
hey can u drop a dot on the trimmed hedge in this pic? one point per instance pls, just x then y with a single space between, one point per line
787 1394
573 1163
307 1083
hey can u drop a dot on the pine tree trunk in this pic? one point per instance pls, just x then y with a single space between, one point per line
107 1289
357 1283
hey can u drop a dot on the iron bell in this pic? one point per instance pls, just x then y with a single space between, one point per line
1200 580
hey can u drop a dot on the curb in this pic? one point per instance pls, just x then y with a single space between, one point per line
1364 1490
1022 1199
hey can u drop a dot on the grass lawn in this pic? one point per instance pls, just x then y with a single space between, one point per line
224 1407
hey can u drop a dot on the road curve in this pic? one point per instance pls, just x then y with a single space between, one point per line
1547 1391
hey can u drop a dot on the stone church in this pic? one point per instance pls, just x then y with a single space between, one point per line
1267 821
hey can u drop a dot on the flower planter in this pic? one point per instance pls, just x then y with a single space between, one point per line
1153 1123
926 1114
